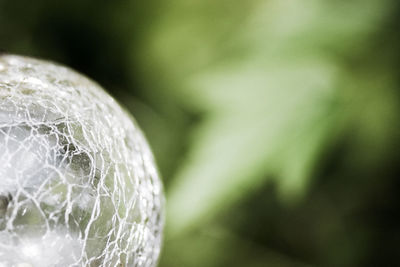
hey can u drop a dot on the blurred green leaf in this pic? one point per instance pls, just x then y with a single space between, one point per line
269 83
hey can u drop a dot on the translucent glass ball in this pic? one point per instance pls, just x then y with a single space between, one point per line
78 183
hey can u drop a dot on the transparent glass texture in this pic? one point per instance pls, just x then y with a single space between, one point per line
78 183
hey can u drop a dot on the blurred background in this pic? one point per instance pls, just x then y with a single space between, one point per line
275 123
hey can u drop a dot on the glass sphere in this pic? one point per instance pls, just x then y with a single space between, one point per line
78 183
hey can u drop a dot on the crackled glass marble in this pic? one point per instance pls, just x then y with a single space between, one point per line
78 184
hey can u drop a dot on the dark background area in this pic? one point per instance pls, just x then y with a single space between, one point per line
275 123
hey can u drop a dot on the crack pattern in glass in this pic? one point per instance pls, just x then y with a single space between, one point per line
78 183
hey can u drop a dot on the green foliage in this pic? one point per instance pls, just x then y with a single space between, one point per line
274 83
275 123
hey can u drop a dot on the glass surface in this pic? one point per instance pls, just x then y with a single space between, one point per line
78 184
